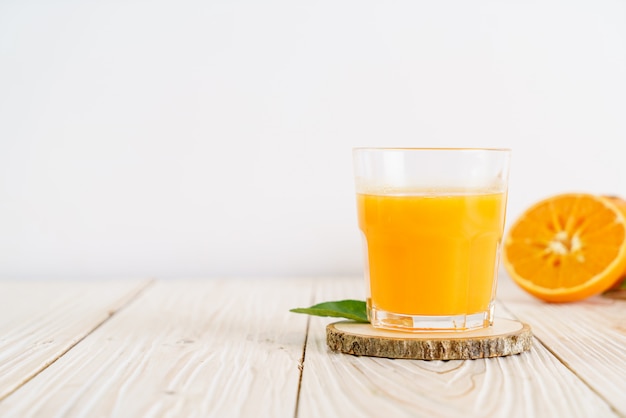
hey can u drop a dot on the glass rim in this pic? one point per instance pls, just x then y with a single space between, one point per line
354 149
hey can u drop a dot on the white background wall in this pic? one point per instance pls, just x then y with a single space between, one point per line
205 138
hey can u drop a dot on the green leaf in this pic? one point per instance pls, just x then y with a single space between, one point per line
349 309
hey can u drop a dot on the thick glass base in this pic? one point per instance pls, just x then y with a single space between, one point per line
423 323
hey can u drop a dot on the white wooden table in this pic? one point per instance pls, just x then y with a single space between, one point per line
229 348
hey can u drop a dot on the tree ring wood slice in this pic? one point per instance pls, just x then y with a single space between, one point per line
505 337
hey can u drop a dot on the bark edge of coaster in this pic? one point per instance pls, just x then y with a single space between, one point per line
504 338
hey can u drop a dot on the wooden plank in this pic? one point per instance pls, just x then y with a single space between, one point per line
530 384
588 336
184 348
40 321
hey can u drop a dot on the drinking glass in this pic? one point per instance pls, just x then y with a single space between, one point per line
432 221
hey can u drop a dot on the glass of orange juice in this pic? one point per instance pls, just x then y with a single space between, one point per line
432 221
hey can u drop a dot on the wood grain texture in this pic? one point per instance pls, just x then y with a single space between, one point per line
222 348
532 384
41 321
588 336
183 349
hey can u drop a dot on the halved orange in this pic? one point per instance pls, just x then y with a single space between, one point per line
567 247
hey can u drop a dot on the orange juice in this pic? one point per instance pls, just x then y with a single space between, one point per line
431 254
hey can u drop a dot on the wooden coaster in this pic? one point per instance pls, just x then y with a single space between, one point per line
505 337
